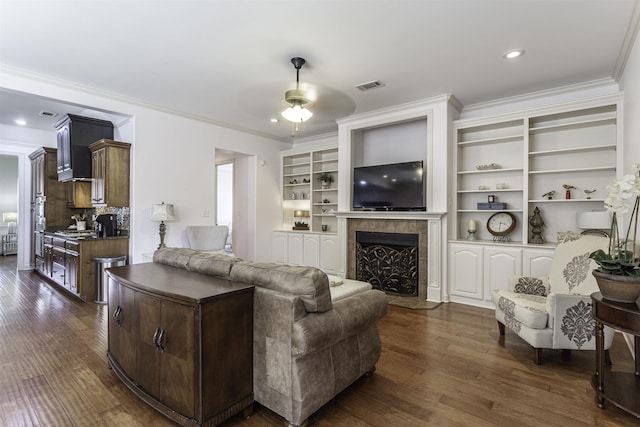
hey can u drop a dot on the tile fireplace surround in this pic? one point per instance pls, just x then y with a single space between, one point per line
426 225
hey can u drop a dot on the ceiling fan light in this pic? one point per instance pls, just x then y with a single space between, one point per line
297 114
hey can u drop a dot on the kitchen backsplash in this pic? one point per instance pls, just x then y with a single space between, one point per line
124 215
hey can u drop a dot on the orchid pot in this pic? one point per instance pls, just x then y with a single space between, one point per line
618 271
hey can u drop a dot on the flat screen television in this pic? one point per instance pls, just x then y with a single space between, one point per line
391 187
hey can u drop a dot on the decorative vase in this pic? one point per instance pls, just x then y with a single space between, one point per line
326 184
618 288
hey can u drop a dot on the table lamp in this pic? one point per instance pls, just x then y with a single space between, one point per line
10 218
300 224
162 212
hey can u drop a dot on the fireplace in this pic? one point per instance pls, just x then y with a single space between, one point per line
389 261
397 228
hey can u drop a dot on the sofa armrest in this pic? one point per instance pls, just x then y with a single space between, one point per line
558 304
348 317
572 323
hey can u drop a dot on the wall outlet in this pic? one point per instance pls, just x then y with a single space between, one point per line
206 213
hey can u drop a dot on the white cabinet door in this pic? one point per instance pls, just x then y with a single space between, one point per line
465 270
537 262
279 247
329 254
311 255
499 264
296 249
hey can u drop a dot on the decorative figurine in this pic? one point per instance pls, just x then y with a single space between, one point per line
536 224
588 193
549 195
568 187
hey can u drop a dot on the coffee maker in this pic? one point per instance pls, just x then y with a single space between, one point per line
106 225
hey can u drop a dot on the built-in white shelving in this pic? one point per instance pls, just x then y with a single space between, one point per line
302 189
537 151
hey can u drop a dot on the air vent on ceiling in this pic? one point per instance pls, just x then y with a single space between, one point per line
47 113
370 85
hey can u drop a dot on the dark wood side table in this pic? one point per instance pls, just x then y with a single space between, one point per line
620 388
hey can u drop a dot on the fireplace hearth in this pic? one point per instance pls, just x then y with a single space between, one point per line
389 261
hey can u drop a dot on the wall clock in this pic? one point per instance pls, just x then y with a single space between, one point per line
500 225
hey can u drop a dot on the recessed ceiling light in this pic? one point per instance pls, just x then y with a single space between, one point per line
273 120
20 122
513 53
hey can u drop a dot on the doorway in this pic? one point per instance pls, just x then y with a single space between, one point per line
224 199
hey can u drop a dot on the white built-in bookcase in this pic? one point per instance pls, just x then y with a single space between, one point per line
537 151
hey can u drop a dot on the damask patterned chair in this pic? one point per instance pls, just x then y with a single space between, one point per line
555 312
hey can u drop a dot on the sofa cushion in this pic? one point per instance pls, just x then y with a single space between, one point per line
530 310
212 264
309 283
348 288
175 257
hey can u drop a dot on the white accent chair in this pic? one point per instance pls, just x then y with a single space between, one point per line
555 312
208 238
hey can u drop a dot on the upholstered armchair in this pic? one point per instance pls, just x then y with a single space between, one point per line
208 238
554 312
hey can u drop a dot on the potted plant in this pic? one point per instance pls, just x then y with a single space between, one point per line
326 179
618 272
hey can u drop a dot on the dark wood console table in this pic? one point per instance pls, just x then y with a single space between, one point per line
182 341
620 388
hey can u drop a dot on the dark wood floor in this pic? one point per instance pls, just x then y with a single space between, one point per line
442 367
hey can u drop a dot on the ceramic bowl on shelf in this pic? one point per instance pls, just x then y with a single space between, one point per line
488 167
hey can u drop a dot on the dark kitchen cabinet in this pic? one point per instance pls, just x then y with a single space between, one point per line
74 135
110 185
48 197
78 194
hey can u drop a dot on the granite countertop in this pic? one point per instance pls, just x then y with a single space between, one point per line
82 235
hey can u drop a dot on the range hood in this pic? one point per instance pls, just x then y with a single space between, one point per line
74 135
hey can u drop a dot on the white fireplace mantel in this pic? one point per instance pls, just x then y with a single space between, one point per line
414 215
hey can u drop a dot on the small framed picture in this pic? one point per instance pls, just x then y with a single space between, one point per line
491 198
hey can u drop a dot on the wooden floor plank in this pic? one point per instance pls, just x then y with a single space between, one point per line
442 367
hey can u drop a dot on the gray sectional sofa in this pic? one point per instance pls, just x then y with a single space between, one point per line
306 347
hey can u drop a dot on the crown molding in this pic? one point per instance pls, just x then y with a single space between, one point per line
402 109
628 42
532 96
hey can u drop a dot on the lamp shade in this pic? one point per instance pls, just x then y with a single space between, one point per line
297 114
10 217
162 212
301 214
597 220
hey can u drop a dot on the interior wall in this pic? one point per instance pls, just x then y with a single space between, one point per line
630 84
395 143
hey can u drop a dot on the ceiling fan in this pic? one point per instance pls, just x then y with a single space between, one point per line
298 100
